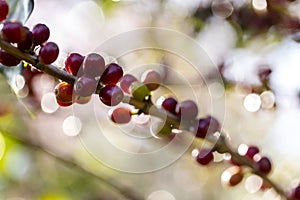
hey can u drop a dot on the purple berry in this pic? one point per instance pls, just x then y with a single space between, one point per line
204 156
264 165
93 65
188 110
152 80
8 60
251 152
126 82
48 53
111 95
207 125
121 115
4 8
169 104
73 63
112 74
40 34
26 44
13 32
85 86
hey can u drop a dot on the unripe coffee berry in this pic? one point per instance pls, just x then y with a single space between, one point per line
139 90
48 53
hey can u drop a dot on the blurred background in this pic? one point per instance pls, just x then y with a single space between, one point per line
238 59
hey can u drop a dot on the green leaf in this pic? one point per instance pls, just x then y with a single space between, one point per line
20 10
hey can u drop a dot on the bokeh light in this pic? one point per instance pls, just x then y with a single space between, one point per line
72 126
160 194
253 183
48 103
252 102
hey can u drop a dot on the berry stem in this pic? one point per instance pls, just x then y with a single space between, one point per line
145 106
33 60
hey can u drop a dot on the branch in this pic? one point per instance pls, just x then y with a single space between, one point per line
220 142
121 190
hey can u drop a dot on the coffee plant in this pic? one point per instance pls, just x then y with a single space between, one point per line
112 103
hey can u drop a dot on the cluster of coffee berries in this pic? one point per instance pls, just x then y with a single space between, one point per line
261 165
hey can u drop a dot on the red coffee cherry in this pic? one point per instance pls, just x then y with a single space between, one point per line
232 176
126 82
121 115
169 104
264 165
27 43
296 193
111 95
207 125
64 94
4 8
204 156
73 63
85 86
48 53
251 152
8 60
40 34
13 32
152 80
93 65
187 110
112 74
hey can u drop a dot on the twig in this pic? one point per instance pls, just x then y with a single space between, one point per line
221 144
123 191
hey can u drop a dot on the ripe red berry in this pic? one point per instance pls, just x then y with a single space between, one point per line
207 125
26 44
121 115
85 86
8 60
251 152
296 193
152 80
111 95
4 8
264 165
93 65
13 32
126 82
112 74
232 176
204 156
169 104
64 94
188 110
40 34
73 63
48 53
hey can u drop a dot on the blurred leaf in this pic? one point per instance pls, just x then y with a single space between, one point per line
20 10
